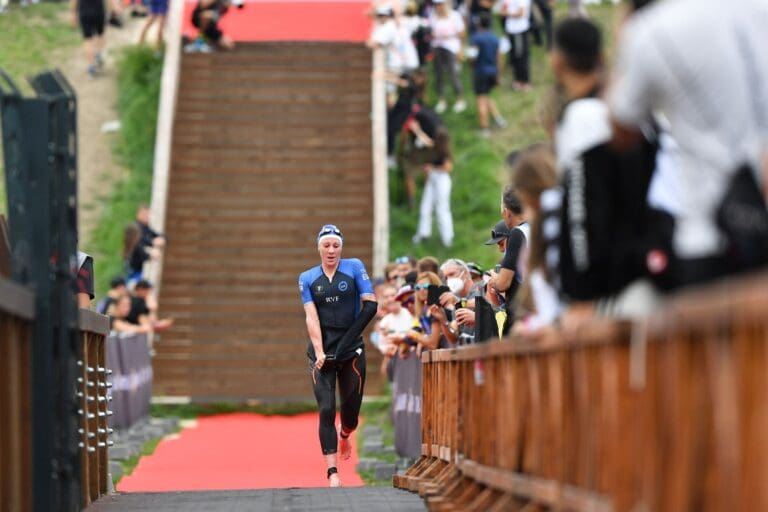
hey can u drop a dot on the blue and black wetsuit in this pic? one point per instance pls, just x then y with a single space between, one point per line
338 306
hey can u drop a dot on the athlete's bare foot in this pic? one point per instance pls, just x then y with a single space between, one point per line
345 448
334 480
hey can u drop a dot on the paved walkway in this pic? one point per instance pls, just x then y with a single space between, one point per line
368 499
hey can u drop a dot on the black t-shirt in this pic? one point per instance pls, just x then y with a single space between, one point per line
138 308
137 258
89 8
429 121
515 243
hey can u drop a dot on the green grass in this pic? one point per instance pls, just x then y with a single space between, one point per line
479 174
138 93
130 464
32 40
190 411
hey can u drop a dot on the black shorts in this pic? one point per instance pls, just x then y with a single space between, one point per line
92 24
484 84
212 31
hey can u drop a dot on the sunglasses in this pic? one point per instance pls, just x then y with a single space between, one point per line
421 287
402 259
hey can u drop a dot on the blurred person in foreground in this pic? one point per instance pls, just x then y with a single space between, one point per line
699 70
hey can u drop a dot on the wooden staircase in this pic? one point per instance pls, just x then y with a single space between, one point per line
269 142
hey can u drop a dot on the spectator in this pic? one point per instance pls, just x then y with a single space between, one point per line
118 317
410 93
91 16
205 17
534 179
426 331
84 280
117 288
604 216
517 13
158 10
428 264
394 325
477 10
476 272
135 253
545 9
390 273
447 32
436 196
486 73
395 38
144 308
507 281
702 71
459 302
405 265
419 131
149 237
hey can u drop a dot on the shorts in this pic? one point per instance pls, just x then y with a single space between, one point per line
414 160
484 84
158 7
92 25
212 31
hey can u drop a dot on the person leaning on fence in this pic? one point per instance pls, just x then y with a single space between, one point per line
393 326
459 302
118 317
144 308
117 288
534 179
702 67
338 303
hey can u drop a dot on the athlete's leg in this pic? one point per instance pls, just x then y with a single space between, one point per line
351 386
324 386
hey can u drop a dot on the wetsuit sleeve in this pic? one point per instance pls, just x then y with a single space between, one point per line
305 289
358 326
362 281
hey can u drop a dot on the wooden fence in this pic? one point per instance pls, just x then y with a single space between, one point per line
17 310
94 410
668 414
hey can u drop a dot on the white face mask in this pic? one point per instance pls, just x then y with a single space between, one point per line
455 284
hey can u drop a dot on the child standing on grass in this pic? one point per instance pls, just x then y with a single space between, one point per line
437 192
486 72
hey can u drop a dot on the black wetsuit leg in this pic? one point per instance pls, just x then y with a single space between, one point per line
324 385
351 386
351 377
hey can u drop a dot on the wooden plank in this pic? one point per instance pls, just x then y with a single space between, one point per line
16 300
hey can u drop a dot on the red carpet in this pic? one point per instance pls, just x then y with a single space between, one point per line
239 451
281 20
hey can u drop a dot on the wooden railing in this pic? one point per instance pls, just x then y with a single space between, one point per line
94 400
17 310
668 414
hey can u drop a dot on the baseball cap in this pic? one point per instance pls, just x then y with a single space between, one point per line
474 268
404 292
499 232
144 284
330 230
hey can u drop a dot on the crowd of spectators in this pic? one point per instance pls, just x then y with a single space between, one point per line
654 178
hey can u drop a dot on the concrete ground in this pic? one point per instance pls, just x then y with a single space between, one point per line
367 499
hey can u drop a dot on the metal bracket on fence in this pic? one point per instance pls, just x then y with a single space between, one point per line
637 354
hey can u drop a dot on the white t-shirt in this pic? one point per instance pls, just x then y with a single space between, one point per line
513 25
446 32
702 65
394 323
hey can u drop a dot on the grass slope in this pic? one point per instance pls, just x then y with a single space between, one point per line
479 175
138 93
30 41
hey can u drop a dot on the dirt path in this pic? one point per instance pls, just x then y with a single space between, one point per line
97 104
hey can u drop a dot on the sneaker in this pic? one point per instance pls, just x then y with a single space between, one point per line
500 122
197 46
460 106
92 71
99 60
440 107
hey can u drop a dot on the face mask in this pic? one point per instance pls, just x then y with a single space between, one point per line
455 284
